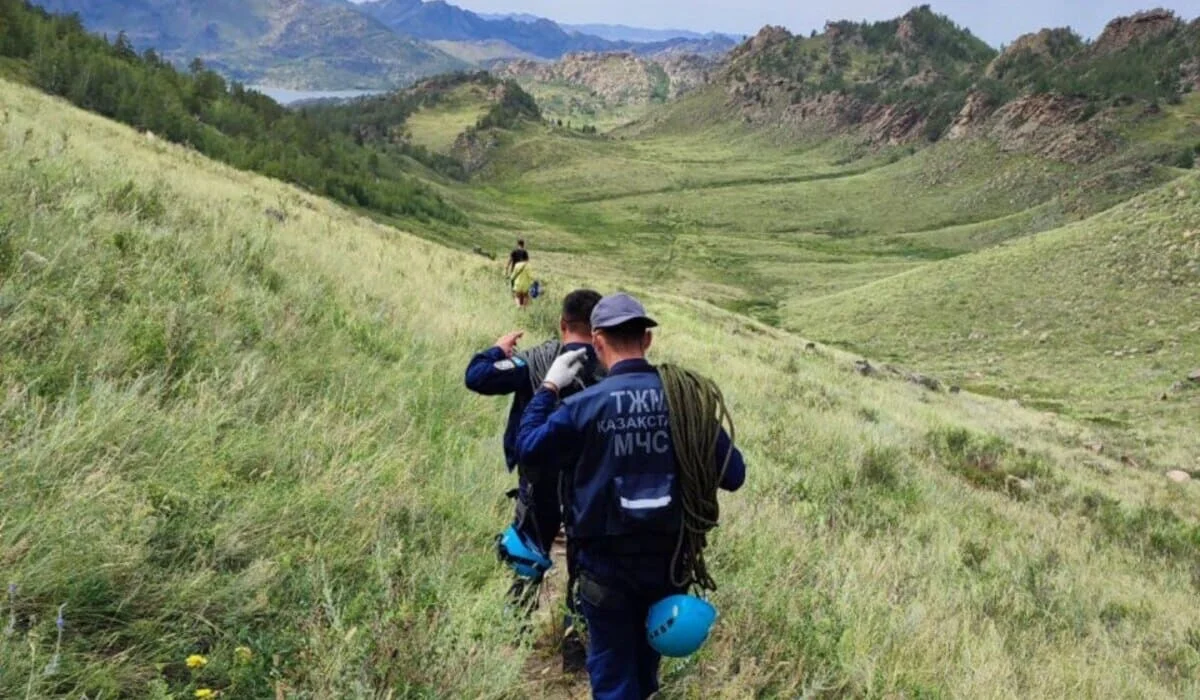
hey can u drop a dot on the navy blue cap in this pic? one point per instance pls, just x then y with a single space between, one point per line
617 309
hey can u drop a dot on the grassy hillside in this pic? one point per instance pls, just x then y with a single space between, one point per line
847 242
425 121
1097 318
437 127
242 434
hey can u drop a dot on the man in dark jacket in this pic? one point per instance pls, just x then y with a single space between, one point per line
613 446
518 254
501 371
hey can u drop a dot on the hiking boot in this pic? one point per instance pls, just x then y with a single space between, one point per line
574 652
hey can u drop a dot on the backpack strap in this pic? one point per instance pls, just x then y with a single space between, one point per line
539 360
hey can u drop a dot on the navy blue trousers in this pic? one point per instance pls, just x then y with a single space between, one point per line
621 663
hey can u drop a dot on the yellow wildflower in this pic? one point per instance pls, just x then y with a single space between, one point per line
196 661
206 694
243 655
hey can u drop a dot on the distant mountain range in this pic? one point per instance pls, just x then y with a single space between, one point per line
338 44
304 44
528 34
620 32
441 21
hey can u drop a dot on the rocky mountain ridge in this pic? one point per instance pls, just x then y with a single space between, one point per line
922 78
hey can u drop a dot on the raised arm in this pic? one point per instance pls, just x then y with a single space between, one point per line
497 371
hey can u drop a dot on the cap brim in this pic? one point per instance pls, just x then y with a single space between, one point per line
622 320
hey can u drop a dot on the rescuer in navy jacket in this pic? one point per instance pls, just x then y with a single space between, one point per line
500 371
613 445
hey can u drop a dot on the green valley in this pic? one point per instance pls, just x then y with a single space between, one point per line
950 293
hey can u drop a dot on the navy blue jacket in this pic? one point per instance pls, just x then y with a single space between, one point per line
613 441
490 373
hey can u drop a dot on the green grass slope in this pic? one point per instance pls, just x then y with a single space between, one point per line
223 428
1096 318
436 127
737 217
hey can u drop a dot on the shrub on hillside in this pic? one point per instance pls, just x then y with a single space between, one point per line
985 461
514 106
1186 159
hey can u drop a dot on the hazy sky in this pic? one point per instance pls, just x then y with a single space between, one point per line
995 21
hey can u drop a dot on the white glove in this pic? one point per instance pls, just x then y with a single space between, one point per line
566 369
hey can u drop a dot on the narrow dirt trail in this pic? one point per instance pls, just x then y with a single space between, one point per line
544 670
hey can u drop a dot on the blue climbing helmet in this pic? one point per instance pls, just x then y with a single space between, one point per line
523 556
677 626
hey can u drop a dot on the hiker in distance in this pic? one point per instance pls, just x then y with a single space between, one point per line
519 254
520 274
501 371
641 455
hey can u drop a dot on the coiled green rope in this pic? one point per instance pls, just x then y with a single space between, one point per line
697 413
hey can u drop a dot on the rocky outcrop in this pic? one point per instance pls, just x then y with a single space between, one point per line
473 149
925 78
615 77
1048 44
1189 74
1126 31
766 38
1052 126
907 31
688 72
861 81
894 124
1038 43
619 78
769 102
974 113
1049 125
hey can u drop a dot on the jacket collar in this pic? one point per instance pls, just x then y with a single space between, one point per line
631 367
591 351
